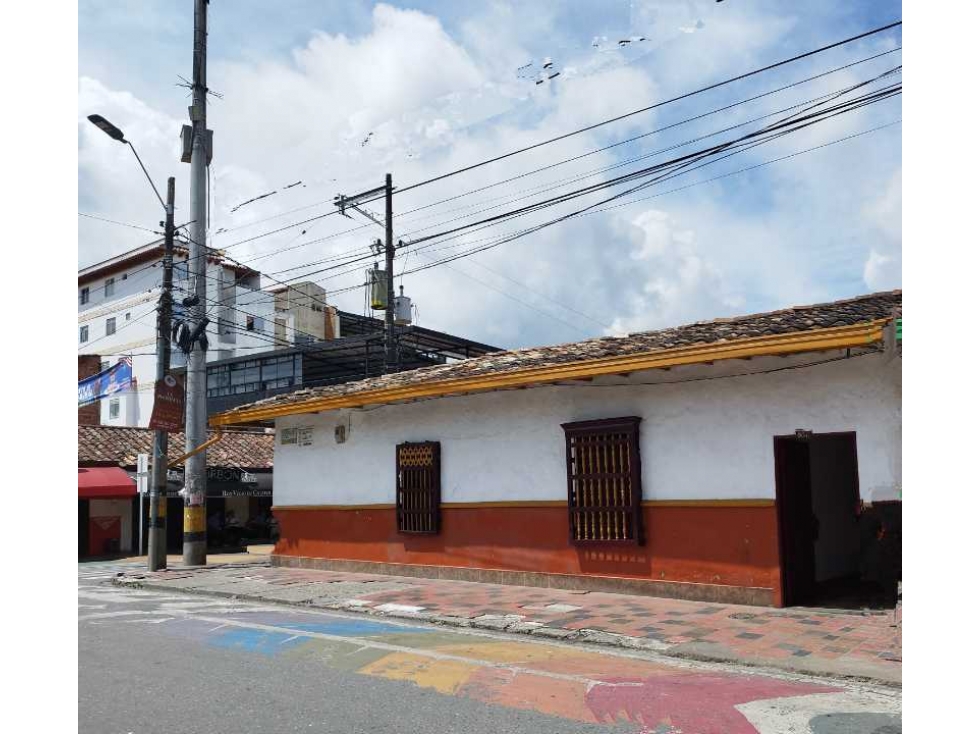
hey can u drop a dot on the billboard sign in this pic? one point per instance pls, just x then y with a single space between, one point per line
115 379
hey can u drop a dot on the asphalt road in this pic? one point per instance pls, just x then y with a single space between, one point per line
157 662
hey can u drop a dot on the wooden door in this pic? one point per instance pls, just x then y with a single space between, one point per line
793 492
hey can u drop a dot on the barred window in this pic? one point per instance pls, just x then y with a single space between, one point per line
419 487
604 481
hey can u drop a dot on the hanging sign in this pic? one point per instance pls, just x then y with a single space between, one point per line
115 379
168 405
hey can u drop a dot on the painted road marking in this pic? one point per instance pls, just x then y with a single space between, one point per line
399 608
557 680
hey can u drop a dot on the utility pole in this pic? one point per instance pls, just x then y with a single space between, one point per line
195 468
157 554
390 352
343 202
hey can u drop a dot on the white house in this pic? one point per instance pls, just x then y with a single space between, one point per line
748 459
117 301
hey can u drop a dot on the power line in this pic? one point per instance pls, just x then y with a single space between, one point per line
683 161
546 187
662 129
677 98
122 224
503 239
686 95
691 157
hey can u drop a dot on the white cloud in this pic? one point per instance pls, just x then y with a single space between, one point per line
785 234
882 270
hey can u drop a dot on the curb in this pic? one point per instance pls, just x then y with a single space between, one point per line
512 624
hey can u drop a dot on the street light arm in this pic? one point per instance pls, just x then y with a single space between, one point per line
139 160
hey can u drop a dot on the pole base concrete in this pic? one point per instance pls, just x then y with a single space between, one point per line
195 553
156 558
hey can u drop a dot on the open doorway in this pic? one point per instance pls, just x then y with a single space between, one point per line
820 539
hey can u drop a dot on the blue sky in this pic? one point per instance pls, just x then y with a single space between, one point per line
438 85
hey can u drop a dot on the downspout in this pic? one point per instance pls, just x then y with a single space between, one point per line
218 435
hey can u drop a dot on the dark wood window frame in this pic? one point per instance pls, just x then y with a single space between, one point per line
604 471
419 487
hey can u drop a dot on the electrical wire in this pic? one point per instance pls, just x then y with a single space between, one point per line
794 120
596 125
701 90
122 224
575 158
521 233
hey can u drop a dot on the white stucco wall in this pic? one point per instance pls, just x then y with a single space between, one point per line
704 439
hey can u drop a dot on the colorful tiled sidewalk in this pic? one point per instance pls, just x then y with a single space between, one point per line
859 644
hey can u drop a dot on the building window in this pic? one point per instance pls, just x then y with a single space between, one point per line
128 314
604 481
419 487
110 326
110 287
249 323
114 408
83 296
82 334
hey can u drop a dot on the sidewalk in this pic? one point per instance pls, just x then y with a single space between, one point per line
825 642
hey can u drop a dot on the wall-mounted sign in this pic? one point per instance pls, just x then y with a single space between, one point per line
803 434
245 493
218 474
302 436
168 405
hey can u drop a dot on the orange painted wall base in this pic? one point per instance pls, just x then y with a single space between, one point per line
702 544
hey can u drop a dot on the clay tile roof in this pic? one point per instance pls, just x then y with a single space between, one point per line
120 445
848 312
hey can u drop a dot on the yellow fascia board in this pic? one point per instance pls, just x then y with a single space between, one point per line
838 337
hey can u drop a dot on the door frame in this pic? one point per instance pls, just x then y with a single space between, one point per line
786 595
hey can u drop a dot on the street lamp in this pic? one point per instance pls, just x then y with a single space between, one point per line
116 134
157 555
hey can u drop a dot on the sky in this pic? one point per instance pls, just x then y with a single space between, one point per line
337 94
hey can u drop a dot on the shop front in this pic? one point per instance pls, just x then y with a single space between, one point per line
239 509
105 511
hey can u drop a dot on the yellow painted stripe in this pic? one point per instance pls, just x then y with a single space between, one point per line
194 521
379 506
445 676
839 337
538 503
709 503
503 504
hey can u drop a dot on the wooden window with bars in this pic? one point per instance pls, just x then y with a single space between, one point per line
419 487
604 481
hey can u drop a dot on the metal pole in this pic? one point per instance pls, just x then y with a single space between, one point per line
389 349
156 557
141 498
195 469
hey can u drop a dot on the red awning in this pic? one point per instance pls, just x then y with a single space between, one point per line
104 481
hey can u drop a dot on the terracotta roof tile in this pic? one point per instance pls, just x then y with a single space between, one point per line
852 311
120 445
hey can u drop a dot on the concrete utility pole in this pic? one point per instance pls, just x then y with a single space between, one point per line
343 202
157 553
195 469
390 352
